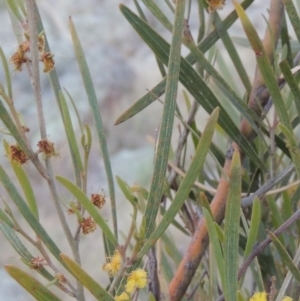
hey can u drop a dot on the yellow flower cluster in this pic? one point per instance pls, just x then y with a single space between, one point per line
113 265
136 279
262 296
123 297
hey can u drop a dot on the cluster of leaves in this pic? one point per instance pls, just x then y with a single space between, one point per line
252 205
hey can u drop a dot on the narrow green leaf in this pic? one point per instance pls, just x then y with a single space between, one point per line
172 248
175 223
252 237
72 142
239 296
88 205
27 213
293 16
14 7
287 206
244 42
26 256
151 297
157 12
275 215
142 15
166 128
4 218
213 275
7 73
232 52
24 182
285 256
192 81
126 191
287 212
292 146
76 111
34 287
86 280
13 239
187 182
168 270
22 7
290 80
254 226
264 66
86 140
205 203
220 232
215 243
286 42
10 125
223 86
159 89
278 140
93 101
231 232
286 283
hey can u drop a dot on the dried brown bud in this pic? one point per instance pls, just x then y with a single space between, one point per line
25 46
37 263
215 4
60 277
17 154
41 43
98 200
19 58
46 147
47 59
88 225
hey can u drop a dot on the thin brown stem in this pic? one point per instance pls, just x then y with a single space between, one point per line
35 79
45 255
38 244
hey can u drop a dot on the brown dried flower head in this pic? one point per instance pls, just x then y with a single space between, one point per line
25 46
47 59
215 4
46 147
19 58
98 200
88 225
41 42
60 277
17 154
37 263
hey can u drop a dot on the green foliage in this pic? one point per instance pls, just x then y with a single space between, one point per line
199 190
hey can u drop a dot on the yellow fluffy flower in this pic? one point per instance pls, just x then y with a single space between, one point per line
122 297
136 279
260 296
113 265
